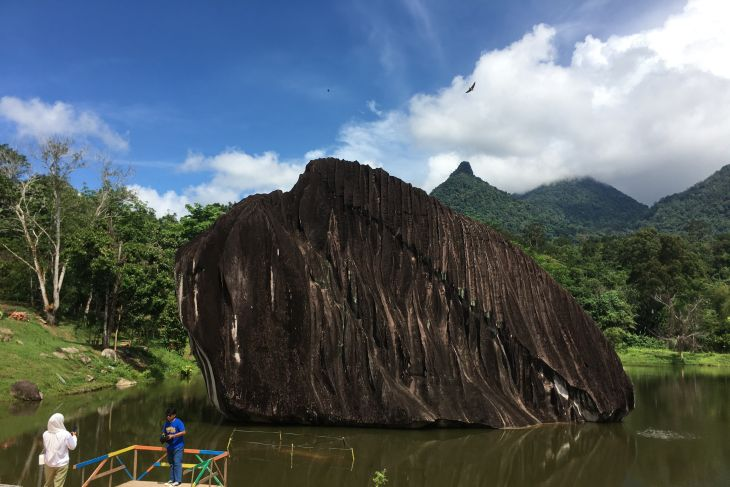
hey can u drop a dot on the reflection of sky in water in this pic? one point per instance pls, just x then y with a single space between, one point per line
676 436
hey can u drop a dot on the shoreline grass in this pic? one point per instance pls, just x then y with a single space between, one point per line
662 357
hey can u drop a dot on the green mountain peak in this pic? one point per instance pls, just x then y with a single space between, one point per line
464 168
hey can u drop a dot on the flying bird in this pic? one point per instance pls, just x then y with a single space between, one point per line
471 88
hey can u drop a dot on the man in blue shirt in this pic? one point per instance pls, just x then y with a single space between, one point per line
174 430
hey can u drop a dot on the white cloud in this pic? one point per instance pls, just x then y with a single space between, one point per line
235 174
236 171
36 119
373 107
647 112
164 204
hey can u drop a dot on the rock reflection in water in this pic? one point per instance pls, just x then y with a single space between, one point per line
546 455
23 408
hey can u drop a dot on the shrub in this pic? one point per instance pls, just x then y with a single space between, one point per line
621 339
379 478
186 371
617 337
717 343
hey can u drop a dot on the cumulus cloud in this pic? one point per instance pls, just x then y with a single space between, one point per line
234 175
167 203
36 119
647 112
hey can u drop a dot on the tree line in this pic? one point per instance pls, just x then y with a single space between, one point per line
97 256
645 288
100 257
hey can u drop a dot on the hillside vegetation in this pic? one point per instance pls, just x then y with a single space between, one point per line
60 360
588 206
700 210
647 289
475 198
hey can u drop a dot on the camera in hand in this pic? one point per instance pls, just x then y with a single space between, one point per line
163 438
75 429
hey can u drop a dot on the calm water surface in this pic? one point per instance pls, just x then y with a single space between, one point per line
678 435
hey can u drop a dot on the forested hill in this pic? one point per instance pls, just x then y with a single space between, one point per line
702 209
476 198
589 206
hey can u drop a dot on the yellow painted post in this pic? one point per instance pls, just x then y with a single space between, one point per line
134 469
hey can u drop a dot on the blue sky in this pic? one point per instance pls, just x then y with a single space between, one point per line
211 101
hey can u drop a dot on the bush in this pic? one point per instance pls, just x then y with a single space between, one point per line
380 478
186 371
717 343
617 337
621 339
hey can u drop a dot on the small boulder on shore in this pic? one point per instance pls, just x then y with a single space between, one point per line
26 391
109 353
125 383
6 334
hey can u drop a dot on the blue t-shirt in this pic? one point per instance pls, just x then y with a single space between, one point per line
172 427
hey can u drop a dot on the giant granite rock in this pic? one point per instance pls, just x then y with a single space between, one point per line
357 299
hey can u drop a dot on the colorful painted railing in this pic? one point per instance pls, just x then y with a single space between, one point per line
206 466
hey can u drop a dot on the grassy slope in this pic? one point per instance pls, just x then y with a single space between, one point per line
29 356
635 356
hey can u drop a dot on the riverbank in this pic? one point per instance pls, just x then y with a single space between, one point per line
60 361
662 357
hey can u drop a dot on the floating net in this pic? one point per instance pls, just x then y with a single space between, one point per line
291 448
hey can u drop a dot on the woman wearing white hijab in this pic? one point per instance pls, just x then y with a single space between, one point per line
57 442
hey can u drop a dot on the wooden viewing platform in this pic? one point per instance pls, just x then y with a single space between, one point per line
207 471
145 483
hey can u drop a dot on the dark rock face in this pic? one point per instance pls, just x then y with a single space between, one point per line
356 299
25 391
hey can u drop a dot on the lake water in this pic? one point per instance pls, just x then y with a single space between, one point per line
678 435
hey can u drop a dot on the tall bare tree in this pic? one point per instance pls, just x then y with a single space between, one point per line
684 321
39 211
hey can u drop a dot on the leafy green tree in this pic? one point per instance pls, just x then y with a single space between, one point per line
611 309
534 236
662 268
200 218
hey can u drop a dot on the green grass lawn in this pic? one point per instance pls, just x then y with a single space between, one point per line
634 356
29 355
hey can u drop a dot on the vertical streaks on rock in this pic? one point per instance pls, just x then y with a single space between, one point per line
357 299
